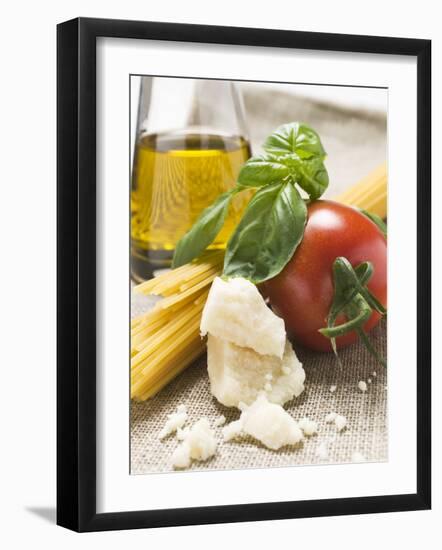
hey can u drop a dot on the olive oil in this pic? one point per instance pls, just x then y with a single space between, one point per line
176 176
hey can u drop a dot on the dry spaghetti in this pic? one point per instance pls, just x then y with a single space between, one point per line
166 339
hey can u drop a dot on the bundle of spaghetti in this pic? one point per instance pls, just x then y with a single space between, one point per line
166 339
370 193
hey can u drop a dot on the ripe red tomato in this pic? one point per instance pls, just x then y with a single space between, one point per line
303 292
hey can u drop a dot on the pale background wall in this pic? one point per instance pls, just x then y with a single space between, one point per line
27 290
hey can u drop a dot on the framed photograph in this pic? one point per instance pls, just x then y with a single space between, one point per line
234 205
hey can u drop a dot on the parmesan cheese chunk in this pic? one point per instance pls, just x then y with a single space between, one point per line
266 422
174 422
199 444
239 374
309 427
181 433
236 312
233 430
340 422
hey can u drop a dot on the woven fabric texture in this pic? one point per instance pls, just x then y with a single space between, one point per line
366 431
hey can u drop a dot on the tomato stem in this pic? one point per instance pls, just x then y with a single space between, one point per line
352 299
363 314
382 226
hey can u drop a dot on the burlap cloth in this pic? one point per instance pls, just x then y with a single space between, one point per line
356 141
365 413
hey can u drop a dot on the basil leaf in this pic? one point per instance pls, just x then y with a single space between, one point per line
312 177
204 231
267 236
294 138
310 174
262 170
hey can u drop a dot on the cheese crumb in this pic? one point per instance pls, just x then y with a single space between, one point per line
309 427
233 430
369 380
330 417
358 457
266 422
322 451
181 457
362 386
175 421
374 373
333 388
181 433
220 421
236 312
340 422
199 444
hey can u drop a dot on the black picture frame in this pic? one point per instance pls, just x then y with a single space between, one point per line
76 273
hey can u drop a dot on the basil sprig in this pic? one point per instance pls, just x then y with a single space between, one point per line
273 223
296 138
267 235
